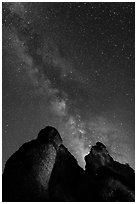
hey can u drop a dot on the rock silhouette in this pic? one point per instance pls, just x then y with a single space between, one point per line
114 181
27 172
44 170
68 181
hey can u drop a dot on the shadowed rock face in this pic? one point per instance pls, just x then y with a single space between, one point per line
44 170
27 172
114 181
98 157
68 181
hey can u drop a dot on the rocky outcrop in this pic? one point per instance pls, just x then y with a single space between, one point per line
27 172
68 181
44 170
113 181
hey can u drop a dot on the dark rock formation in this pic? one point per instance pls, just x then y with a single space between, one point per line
113 181
27 172
44 170
68 182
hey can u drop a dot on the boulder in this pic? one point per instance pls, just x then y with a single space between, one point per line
27 172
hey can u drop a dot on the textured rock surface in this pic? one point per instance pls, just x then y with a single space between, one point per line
113 181
27 172
44 170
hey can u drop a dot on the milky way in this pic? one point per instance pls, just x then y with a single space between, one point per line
69 65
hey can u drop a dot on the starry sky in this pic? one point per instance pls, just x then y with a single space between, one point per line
71 66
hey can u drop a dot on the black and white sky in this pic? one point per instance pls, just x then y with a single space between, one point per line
71 66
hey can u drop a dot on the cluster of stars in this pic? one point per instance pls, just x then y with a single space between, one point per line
82 52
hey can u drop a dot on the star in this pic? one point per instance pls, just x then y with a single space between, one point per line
70 65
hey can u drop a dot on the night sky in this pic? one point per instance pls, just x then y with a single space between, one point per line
71 66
